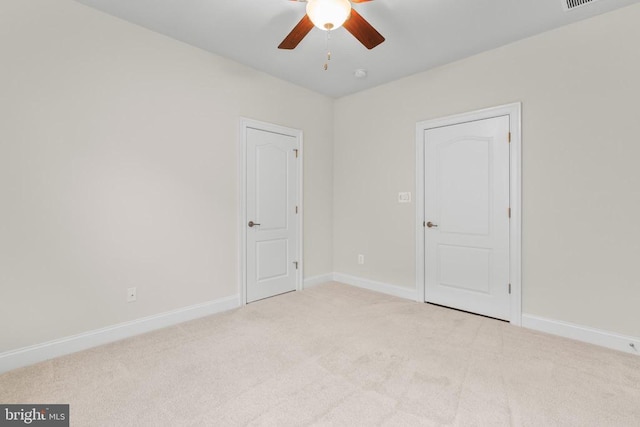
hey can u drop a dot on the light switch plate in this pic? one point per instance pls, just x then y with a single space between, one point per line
404 197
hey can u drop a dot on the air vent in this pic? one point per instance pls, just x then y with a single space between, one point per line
572 4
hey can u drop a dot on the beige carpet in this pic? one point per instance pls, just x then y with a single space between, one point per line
337 355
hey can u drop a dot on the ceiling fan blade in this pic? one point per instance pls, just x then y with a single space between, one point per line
363 31
297 34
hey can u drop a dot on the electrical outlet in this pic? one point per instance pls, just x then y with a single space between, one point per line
404 197
131 294
361 259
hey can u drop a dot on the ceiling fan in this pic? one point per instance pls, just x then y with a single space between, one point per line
330 15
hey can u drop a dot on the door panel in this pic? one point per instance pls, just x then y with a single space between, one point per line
272 186
272 189
272 259
467 200
465 203
476 274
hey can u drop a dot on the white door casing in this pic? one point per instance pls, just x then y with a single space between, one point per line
271 249
468 183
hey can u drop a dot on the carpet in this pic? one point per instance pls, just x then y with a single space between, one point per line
336 355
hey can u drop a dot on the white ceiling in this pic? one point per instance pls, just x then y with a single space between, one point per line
420 34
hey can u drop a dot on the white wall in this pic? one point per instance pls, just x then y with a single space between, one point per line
118 164
579 88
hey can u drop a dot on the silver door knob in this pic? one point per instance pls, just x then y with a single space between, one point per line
251 223
430 224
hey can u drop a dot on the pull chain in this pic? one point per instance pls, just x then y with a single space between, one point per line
326 64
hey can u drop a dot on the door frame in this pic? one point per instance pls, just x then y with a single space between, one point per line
245 124
514 111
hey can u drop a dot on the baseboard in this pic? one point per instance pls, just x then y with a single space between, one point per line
318 280
40 352
582 333
372 285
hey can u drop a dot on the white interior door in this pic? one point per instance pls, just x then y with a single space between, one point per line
272 213
466 205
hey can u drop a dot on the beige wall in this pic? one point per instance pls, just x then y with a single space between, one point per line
579 87
118 158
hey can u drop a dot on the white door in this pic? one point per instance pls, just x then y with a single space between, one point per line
466 205
271 212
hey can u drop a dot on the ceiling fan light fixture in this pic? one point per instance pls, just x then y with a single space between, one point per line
328 14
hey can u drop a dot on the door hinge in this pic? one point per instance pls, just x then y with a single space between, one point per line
509 212
509 137
296 263
296 209
509 288
296 151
